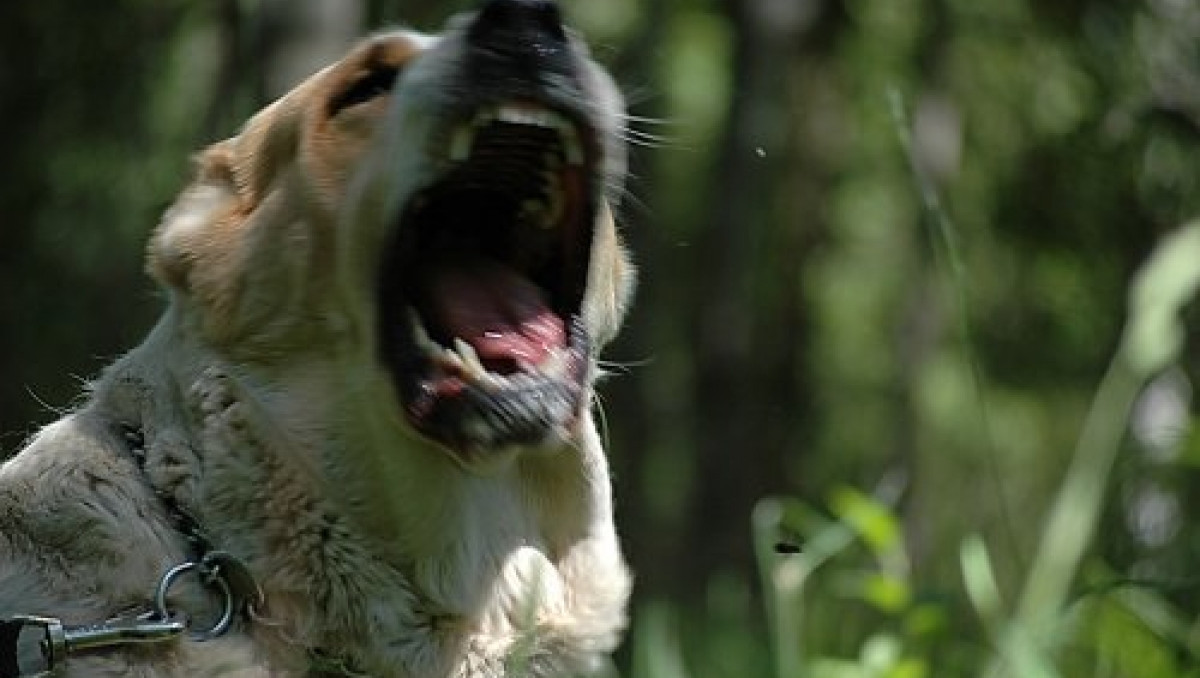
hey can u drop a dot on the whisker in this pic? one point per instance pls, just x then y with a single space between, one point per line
624 366
635 137
649 136
623 195
636 202
645 119
642 142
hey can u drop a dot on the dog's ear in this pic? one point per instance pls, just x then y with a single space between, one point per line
266 146
214 239
196 230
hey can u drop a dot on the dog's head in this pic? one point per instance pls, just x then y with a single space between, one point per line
432 210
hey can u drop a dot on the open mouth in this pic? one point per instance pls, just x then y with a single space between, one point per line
482 287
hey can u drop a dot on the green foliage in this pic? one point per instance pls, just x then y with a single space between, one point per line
1154 337
886 622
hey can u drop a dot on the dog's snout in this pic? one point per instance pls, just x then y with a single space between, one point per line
501 19
527 34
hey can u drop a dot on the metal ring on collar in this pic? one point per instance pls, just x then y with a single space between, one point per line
215 582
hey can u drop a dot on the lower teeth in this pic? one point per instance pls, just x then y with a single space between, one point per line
462 356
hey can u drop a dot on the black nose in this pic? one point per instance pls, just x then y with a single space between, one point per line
520 29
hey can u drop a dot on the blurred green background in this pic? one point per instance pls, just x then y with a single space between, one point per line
886 247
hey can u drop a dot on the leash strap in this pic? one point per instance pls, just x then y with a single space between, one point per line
10 651
32 646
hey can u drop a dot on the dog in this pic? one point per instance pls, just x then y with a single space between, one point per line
359 440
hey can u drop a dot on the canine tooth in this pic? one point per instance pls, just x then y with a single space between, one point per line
476 374
469 357
460 143
449 360
420 335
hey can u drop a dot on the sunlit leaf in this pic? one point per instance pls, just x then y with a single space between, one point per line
1157 614
880 652
872 520
1154 334
980 580
1125 642
909 667
887 593
925 619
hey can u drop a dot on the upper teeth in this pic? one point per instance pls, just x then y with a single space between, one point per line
463 137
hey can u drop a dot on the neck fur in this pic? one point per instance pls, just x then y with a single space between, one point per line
351 526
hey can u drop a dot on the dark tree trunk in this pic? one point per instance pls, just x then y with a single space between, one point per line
749 319
75 84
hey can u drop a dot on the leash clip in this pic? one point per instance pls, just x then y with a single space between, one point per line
223 574
33 646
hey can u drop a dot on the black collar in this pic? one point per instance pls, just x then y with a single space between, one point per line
184 523
237 577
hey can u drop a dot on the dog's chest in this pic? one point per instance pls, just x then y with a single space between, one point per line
488 583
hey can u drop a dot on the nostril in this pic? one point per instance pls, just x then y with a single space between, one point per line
496 15
551 19
517 19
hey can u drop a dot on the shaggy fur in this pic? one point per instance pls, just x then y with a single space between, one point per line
267 417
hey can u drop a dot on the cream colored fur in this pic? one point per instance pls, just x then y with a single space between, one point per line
268 418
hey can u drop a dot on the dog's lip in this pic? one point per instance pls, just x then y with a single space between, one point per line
450 387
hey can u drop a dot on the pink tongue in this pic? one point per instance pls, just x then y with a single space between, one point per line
499 312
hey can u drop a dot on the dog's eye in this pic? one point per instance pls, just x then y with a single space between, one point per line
374 83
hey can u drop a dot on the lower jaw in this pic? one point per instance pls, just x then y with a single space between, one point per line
477 422
473 418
